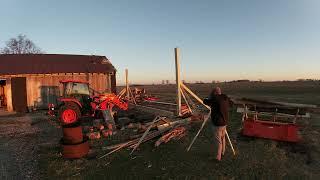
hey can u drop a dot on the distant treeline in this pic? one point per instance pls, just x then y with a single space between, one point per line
217 82
308 79
241 80
246 80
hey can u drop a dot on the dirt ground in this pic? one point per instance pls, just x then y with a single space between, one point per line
21 136
29 148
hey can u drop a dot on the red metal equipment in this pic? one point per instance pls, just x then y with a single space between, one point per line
108 101
72 134
77 102
74 151
74 143
270 129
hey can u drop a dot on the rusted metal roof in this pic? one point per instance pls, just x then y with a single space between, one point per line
12 64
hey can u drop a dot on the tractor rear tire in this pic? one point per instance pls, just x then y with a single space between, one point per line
69 113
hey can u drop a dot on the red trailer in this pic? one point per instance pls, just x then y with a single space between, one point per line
271 128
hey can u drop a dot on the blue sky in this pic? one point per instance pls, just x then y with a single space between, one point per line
219 40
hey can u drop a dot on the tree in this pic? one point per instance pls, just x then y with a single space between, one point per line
20 45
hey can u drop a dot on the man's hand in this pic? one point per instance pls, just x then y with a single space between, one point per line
206 101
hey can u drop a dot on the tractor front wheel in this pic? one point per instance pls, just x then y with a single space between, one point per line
69 113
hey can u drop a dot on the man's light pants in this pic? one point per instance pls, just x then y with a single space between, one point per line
219 140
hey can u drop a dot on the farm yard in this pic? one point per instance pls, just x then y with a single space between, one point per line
159 89
30 146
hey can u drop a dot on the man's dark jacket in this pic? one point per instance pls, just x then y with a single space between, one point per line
220 105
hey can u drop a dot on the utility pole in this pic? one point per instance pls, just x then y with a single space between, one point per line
178 81
127 85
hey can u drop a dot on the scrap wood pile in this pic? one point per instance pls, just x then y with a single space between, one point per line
98 130
136 95
160 126
176 133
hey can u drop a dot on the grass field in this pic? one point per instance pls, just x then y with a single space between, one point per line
255 159
295 92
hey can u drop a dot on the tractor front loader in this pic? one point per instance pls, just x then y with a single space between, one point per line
76 102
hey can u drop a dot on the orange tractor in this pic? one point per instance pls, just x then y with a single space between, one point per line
77 102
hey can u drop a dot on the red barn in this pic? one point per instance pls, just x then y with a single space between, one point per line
31 81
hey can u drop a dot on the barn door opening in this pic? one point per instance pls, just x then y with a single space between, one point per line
49 95
3 99
19 94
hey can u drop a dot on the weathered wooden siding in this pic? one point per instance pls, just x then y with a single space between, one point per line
44 89
113 83
8 94
100 83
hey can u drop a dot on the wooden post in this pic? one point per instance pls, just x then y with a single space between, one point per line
194 95
296 116
122 92
9 95
202 126
178 81
127 85
113 82
185 99
133 99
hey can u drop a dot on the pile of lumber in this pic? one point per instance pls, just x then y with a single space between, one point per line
176 133
132 143
167 129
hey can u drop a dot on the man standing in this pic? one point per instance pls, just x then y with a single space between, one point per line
219 104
